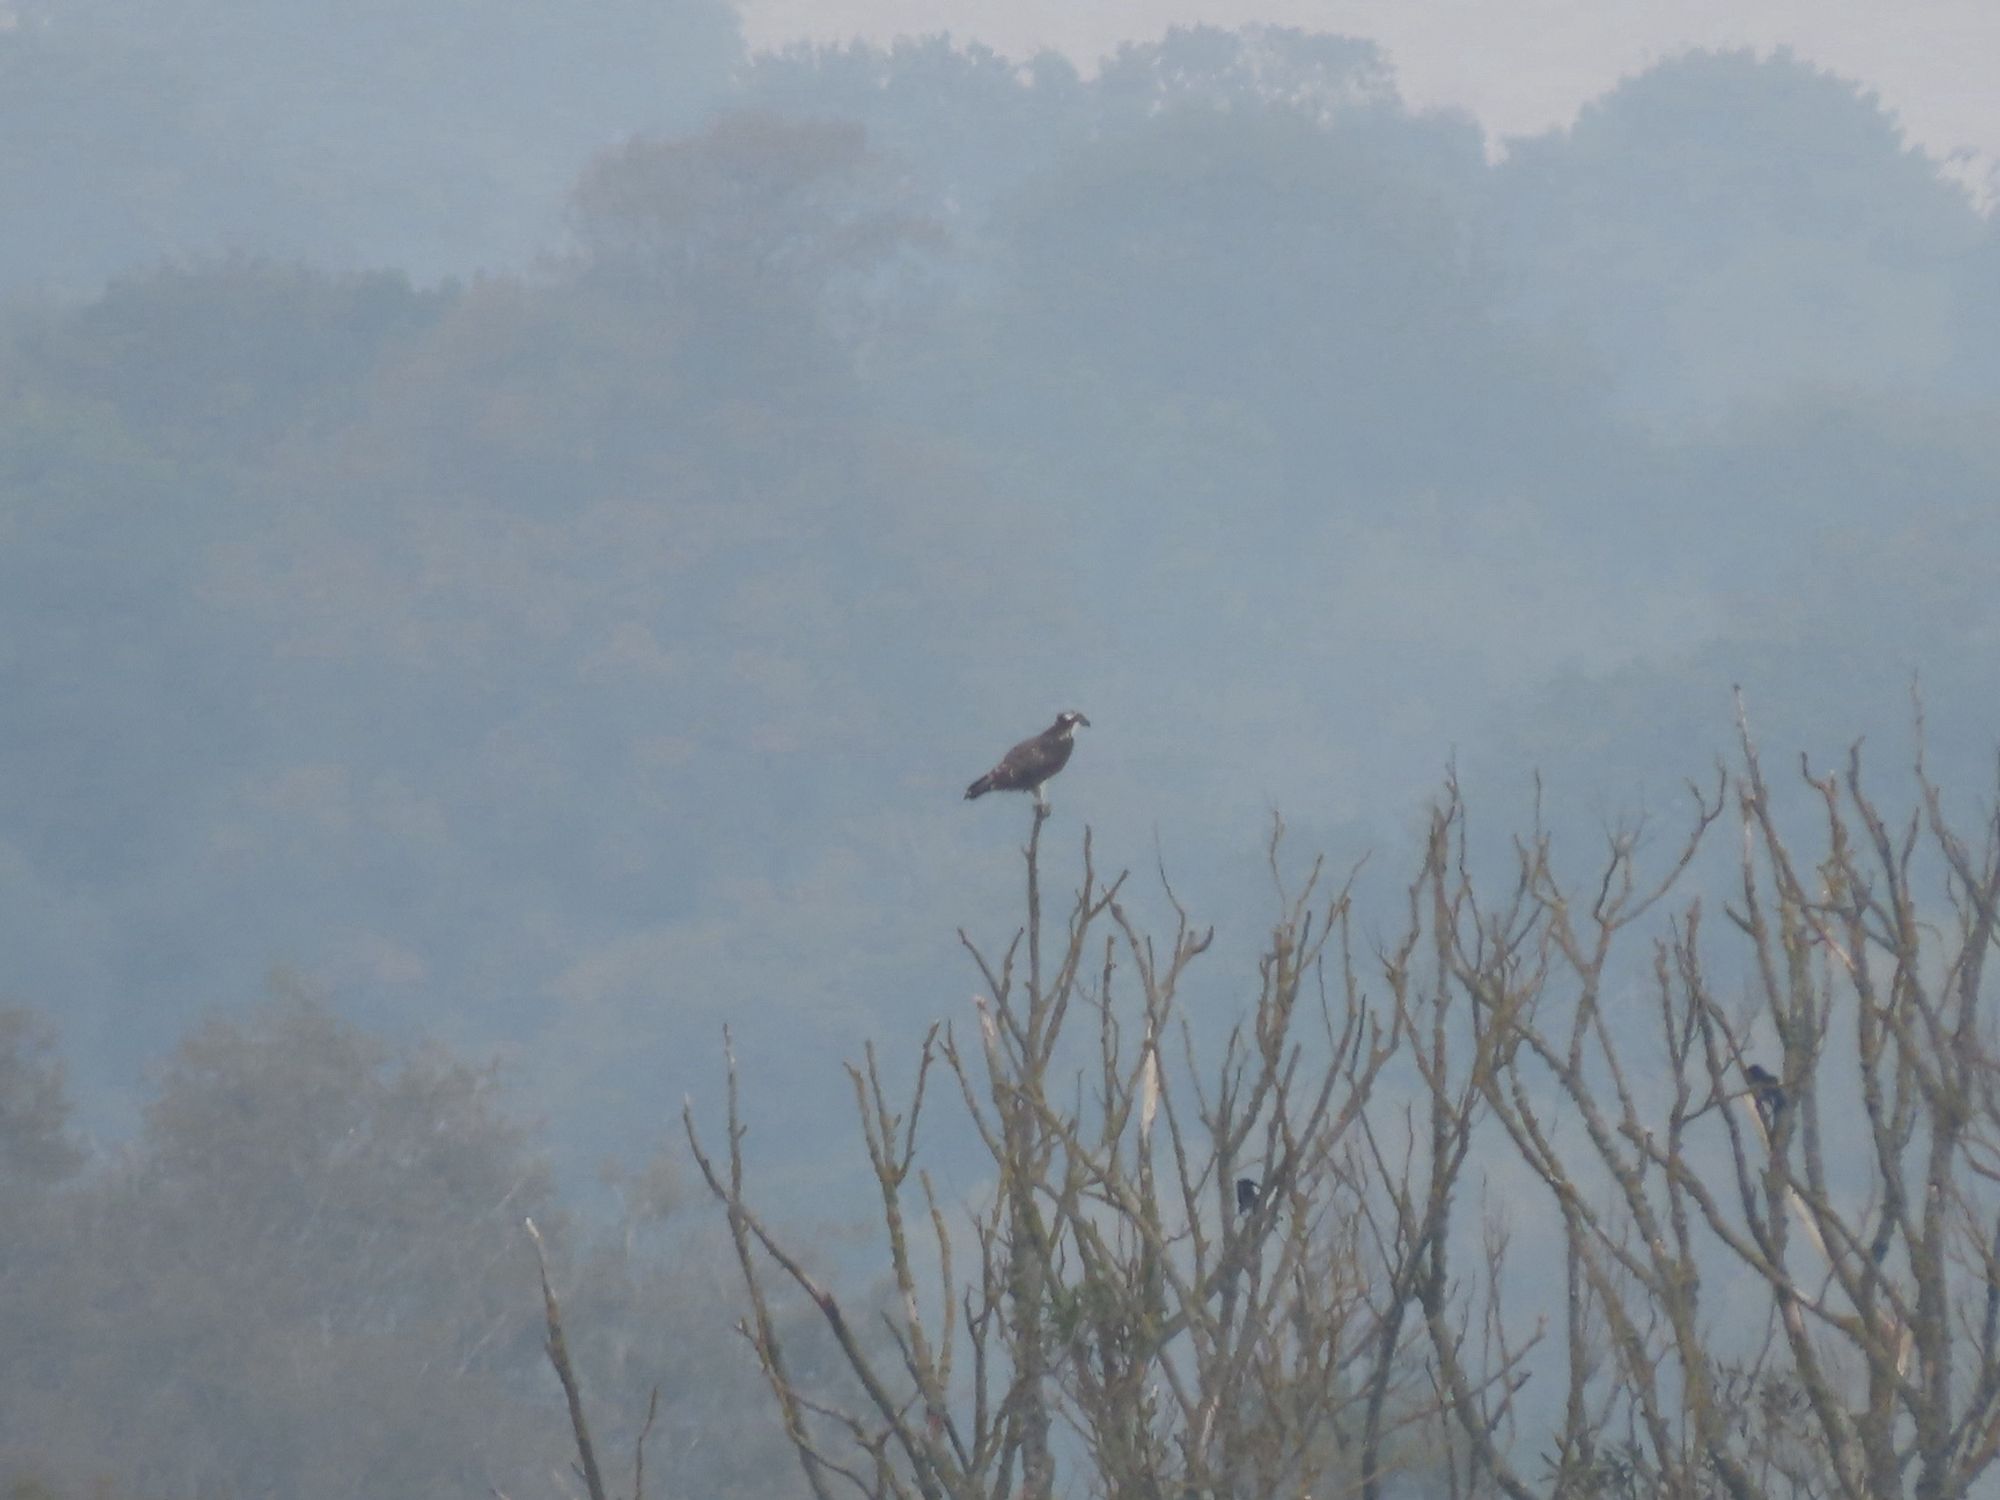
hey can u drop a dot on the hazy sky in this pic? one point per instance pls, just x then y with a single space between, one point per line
1521 66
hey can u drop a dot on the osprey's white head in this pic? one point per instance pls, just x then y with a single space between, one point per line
1066 722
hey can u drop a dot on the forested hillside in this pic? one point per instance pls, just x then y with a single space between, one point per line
513 539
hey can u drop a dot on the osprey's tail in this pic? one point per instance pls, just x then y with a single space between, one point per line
980 787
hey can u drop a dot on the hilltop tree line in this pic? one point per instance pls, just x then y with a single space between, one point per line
513 634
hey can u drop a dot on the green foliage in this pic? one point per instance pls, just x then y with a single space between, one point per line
222 358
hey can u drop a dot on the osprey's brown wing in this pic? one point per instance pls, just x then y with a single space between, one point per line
1026 766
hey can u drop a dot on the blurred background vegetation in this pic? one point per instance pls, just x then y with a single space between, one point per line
512 536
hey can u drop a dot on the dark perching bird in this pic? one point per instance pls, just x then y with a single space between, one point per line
1247 1194
1767 1093
1033 761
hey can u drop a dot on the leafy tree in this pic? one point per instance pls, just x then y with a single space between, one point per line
36 1149
307 1277
1250 68
38 1158
755 235
969 125
1305 262
224 357
311 1245
1724 229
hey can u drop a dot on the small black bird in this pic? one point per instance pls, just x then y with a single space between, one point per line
1247 1194
1033 761
1767 1093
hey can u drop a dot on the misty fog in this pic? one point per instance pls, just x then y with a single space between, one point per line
514 536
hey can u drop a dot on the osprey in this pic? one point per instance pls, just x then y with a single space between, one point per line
1033 761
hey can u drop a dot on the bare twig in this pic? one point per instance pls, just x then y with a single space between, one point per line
558 1352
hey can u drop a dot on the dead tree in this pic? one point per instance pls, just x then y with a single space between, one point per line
1777 1205
1756 1163
1180 1281
556 1346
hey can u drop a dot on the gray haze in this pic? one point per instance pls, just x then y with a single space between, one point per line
1521 68
512 541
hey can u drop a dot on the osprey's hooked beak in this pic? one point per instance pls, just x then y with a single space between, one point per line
1083 721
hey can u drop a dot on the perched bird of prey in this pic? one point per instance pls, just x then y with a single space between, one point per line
1767 1093
1033 761
1247 1193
